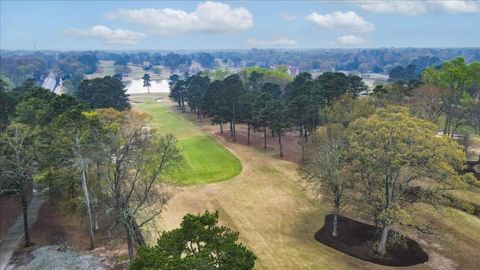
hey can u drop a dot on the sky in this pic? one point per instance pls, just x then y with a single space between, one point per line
215 25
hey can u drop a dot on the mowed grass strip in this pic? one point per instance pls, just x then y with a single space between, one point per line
205 160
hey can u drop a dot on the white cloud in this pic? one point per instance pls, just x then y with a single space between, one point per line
347 21
209 17
275 42
456 6
411 8
288 16
350 40
419 7
117 36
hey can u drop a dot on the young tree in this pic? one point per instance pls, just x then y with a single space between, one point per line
18 164
146 82
199 243
324 168
389 151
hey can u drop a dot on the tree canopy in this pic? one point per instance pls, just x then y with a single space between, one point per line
106 92
199 243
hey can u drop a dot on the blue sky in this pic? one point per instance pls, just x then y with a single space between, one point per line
188 25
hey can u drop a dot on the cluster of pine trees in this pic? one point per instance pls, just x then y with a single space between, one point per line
262 101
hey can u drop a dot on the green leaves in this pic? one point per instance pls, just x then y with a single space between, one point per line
199 243
391 149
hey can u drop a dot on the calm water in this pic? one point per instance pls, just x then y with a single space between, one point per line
136 86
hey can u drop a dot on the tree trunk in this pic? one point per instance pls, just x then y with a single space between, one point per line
137 233
447 124
303 148
248 134
25 216
280 143
382 245
221 125
335 223
234 121
231 128
86 197
198 114
265 138
129 243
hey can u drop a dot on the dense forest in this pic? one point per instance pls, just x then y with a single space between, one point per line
71 67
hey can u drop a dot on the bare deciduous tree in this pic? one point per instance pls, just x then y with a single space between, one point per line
139 158
17 162
324 167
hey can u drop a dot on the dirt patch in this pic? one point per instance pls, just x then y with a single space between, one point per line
69 232
11 209
52 228
56 258
356 239
291 141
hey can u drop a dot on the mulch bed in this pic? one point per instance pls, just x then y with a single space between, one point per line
356 239
470 168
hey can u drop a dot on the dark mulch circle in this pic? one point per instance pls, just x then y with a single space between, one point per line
356 239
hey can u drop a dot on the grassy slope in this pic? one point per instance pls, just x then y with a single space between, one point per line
276 219
206 160
105 68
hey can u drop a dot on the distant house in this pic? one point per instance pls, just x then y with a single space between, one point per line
293 71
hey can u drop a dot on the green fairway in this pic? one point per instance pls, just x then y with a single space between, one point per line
206 161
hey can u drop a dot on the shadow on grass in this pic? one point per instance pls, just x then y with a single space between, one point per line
356 239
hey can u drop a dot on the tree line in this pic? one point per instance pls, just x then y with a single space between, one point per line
264 101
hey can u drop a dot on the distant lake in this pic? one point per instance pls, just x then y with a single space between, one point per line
136 86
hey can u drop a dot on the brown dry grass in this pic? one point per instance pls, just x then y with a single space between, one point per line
276 219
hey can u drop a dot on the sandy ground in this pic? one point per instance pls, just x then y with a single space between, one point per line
65 236
10 209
